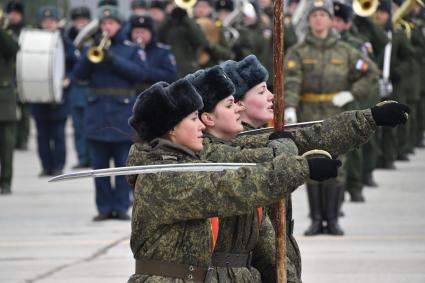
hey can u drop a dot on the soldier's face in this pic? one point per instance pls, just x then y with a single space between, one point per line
319 21
202 9
79 23
189 132
340 24
110 26
15 17
157 15
258 102
50 24
141 35
225 121
382 17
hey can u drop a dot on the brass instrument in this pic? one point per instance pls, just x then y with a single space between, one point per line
212 33
404 10
96 54
365 8
186 5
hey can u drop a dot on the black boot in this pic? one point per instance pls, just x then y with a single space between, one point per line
315 203
369 181
332 194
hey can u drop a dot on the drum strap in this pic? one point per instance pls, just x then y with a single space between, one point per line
109 91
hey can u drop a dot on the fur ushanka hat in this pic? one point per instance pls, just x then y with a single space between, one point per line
162 106
245 74
213 85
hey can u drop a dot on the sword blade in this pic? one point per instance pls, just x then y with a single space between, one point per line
289 127
149 169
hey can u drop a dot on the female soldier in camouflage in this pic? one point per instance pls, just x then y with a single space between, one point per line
172 239
337 135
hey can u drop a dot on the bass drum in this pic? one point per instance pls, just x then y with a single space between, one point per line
40 66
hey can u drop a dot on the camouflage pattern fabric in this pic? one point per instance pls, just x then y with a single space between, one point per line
171 210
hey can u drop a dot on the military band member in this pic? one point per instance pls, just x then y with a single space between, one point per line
185 38
15 13
78 92
50 118
162 64
323 75
111 96
8 50
157 11
139 7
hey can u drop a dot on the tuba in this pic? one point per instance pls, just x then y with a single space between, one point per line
397 19
365 8
96 54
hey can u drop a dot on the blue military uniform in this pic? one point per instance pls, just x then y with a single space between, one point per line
50 118
161 61
110 101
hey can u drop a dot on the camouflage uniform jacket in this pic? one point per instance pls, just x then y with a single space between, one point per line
241 234
171 211
320 68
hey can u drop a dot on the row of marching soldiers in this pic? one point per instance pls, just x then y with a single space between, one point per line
99 96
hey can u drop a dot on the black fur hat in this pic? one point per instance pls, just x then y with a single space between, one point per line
162 106
139 4
343 11
107 2
50 12
213 85
159 4
385 6
224 5
245 74
80 12
144 21
15 6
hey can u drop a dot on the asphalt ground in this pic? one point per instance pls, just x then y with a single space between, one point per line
47 235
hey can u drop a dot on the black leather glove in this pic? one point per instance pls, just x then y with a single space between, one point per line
178 14
390 113
322 168
281 135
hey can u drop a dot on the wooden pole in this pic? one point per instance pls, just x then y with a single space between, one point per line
280 210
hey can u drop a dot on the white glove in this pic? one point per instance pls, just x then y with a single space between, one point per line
342 98
290 115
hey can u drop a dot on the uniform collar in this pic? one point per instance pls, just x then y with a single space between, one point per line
167 145
329 41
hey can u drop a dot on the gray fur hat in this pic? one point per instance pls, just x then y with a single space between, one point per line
324 5
213 85
109 12
245 74
162 106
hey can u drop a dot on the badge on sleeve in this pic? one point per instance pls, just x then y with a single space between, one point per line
362 65
291 64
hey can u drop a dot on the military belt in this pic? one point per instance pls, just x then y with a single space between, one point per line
109 91
231 259
171 269
318 97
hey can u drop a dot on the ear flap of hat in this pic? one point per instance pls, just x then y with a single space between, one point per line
162 106
213 85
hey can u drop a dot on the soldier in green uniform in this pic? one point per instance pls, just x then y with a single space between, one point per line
222 119
174 223
394 142
418 41
323 75
354 163
218 48
15 14
185 38
8 50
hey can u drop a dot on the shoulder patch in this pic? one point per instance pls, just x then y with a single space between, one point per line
291 64
128 43
162 45
362 65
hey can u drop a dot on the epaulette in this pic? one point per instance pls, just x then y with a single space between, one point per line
163 46
128 43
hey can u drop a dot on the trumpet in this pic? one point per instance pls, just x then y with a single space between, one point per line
96 54
404 10
365 8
